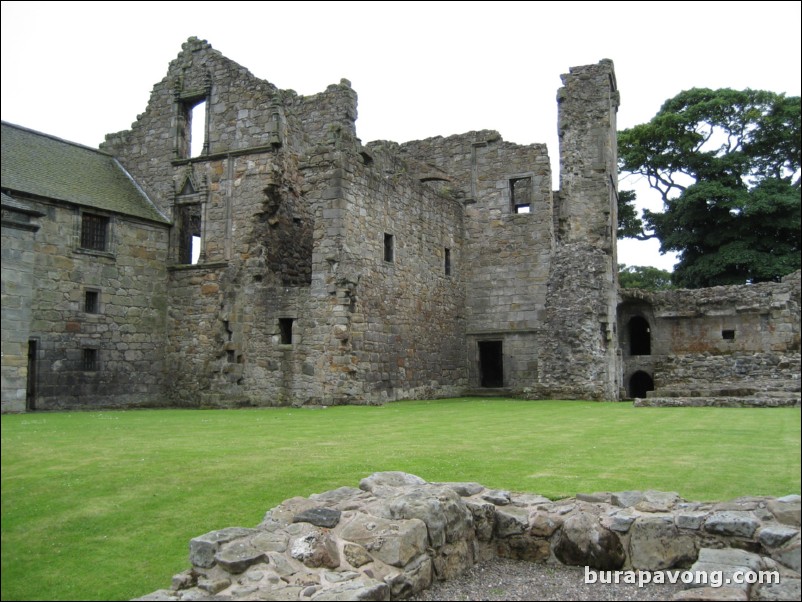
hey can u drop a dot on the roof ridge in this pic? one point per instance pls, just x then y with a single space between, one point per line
56 138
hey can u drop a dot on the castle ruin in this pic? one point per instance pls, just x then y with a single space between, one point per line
240 246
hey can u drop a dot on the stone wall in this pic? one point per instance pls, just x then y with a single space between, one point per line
396 534
19 227
725 341
127 331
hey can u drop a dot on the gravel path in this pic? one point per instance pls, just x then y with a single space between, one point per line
503 579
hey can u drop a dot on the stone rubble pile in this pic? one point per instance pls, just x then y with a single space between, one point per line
394 535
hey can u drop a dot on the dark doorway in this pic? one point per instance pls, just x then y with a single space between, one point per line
639 384
491 364
30 394
640 337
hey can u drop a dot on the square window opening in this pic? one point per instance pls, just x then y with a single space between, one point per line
89 360
94 232
521 195
728 335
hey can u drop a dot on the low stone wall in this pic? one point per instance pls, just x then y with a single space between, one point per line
394 535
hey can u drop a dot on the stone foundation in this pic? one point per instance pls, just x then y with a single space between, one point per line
396 534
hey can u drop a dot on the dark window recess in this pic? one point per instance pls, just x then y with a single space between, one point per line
448 262
91 302
388 247
231 356
640 337
89 360
728 335
285 330
94 231
189 233
521 195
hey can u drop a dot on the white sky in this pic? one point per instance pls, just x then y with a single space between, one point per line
79 70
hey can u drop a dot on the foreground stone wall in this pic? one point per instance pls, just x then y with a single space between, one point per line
394 535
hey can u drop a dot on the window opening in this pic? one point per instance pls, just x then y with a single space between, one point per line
521 195
640 337
285 330
197 129
189 234
388 247
728 335
448 261
89 360
91 302
94 230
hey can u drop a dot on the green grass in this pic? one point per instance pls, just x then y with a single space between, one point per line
102 505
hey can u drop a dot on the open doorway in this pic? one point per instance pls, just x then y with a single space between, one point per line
639 384
491 364
640 337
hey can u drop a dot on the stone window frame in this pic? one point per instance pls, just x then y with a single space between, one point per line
516 208
184 101
83 219
192 191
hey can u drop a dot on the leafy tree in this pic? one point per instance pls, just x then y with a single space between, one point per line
727 165
645 277
629 224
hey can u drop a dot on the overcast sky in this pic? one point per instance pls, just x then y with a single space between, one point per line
79 70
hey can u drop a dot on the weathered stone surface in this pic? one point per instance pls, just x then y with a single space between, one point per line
356 555
789 554
316 550
786 510
203 548
511 520
524 547
692 520
320 517
441 509
237 556
544 524
727 562
787 589
583 542
620 520
357 589
484 518
774 536
497 497
390 479
453 559
625 499
656 544
416 577
735 524
395 542
465 489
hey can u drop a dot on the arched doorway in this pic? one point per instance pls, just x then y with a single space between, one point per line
640 336
640 383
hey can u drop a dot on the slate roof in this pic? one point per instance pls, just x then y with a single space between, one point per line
46 166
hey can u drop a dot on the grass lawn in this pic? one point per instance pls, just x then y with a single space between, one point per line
102 505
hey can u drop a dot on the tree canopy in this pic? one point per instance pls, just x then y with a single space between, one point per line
727 165
644 276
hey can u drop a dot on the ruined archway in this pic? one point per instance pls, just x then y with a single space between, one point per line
640 383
